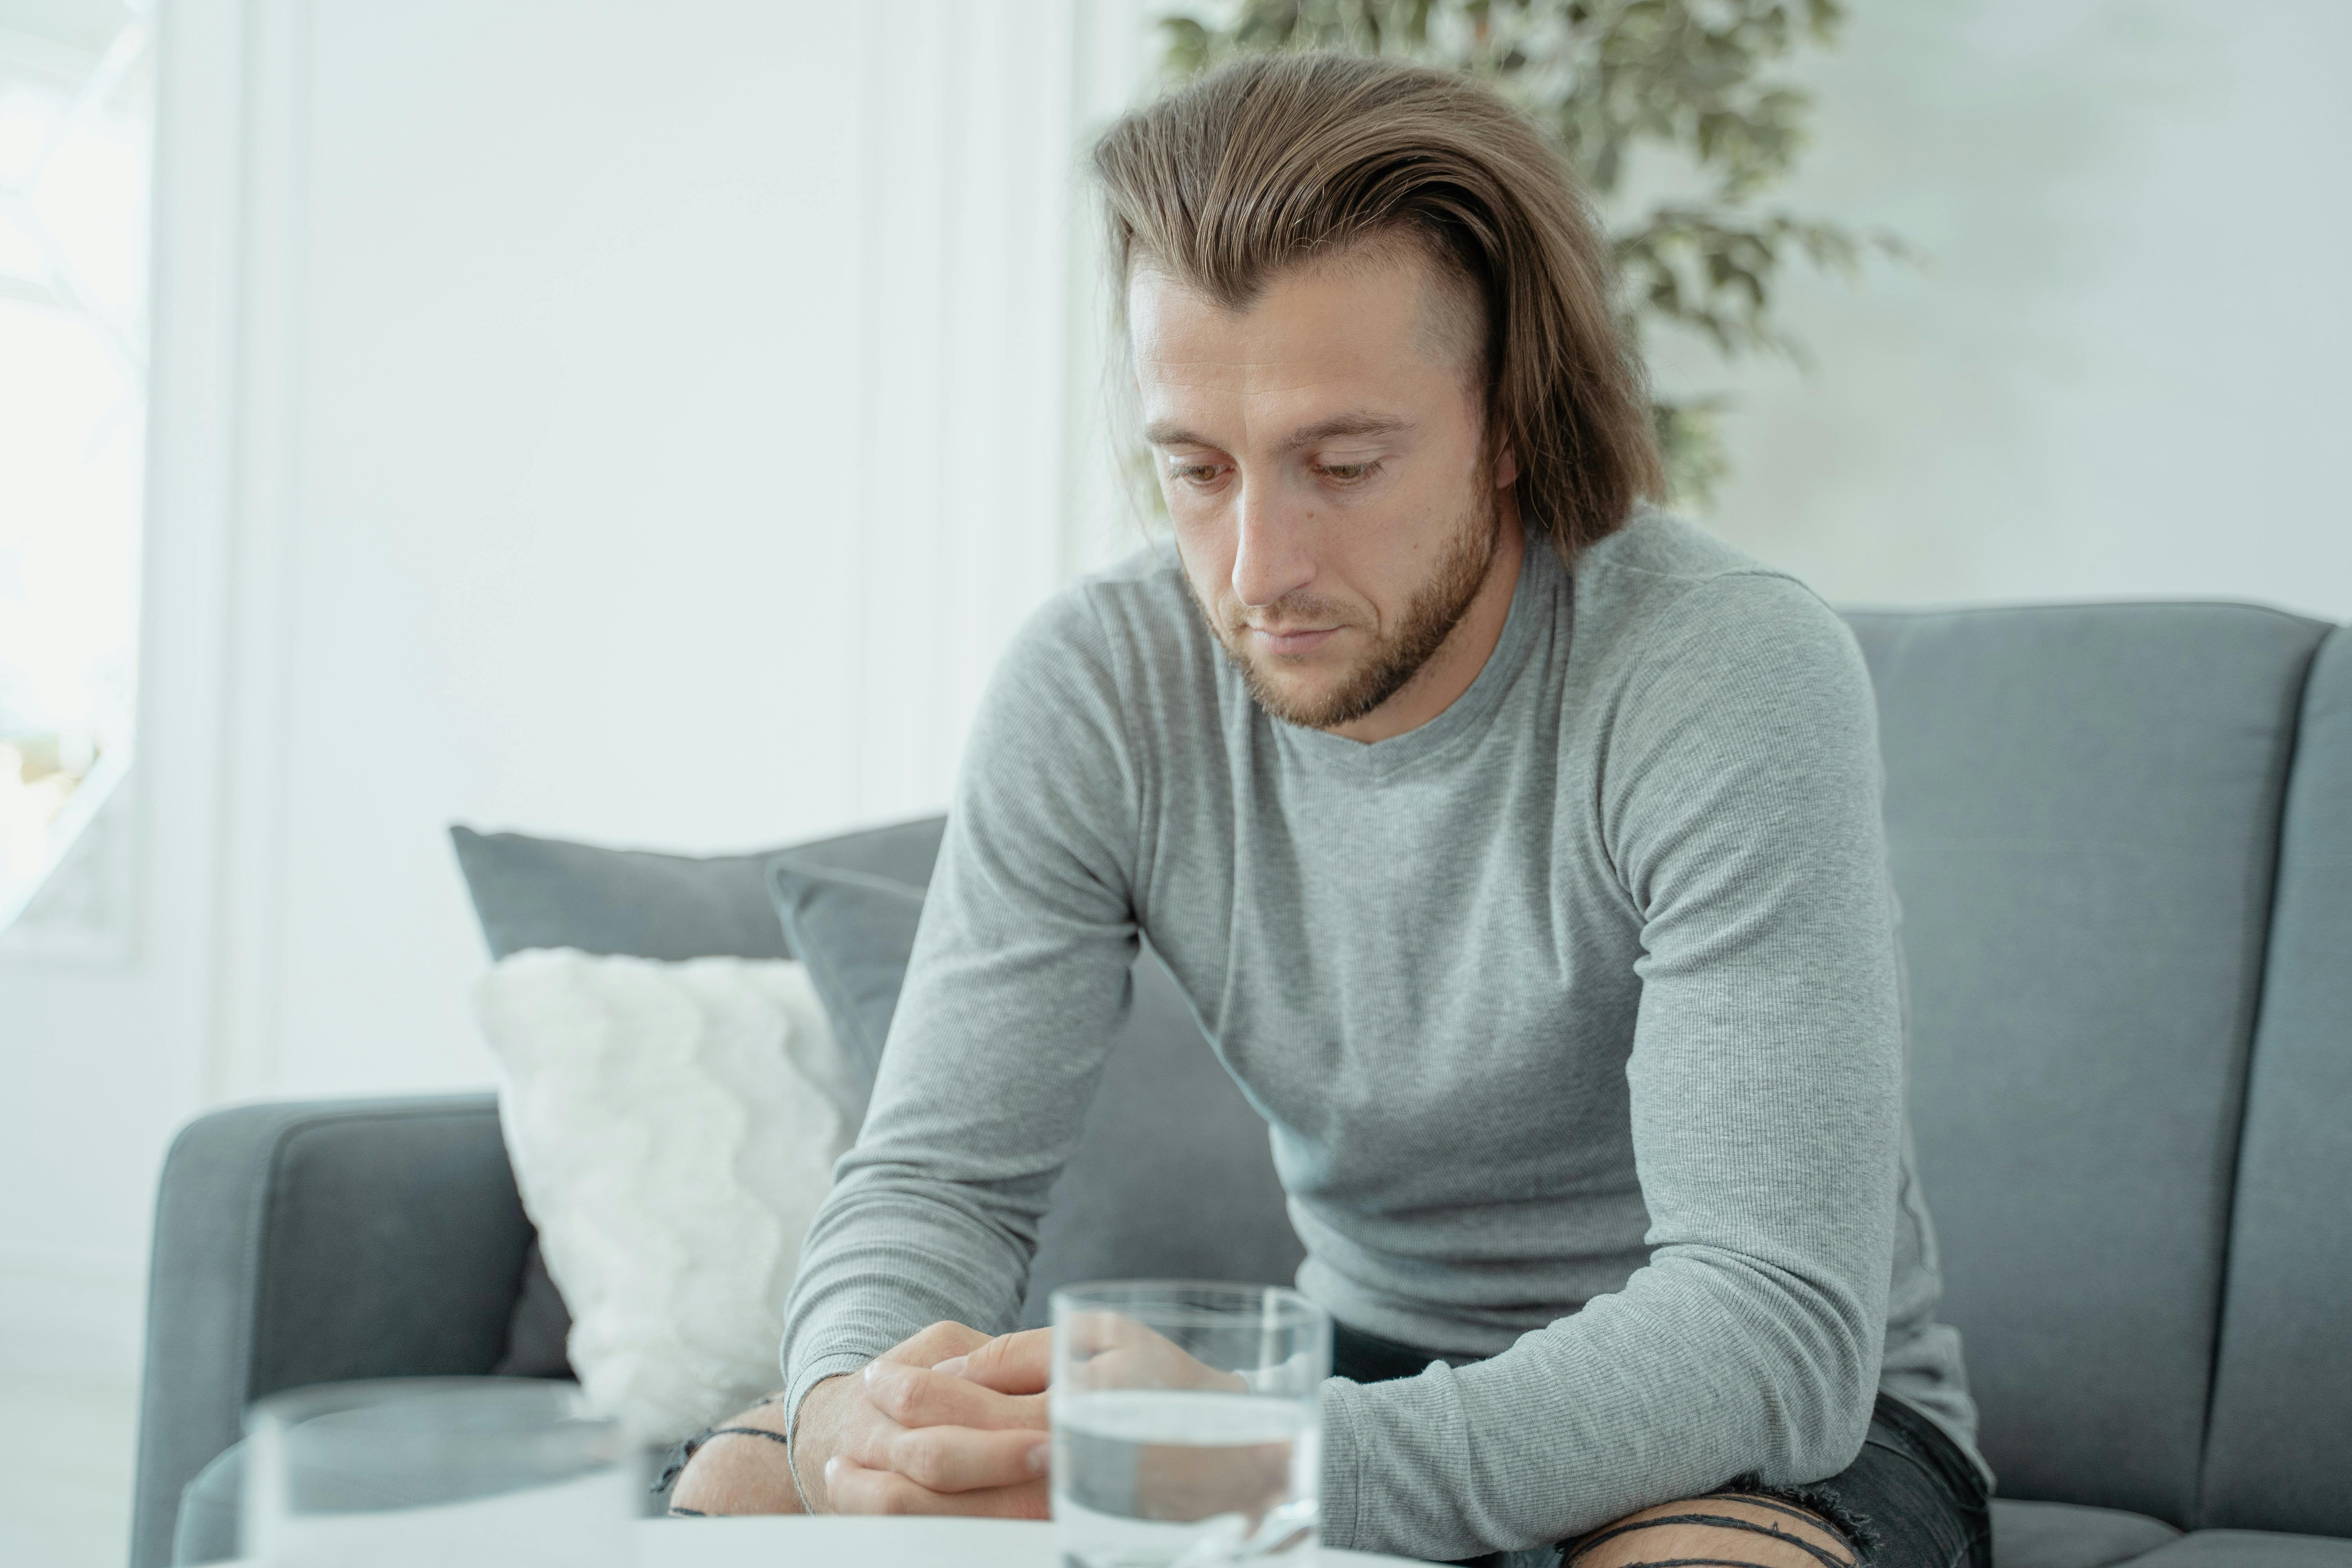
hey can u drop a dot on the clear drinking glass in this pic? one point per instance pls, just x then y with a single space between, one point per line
439 1472
1188 1423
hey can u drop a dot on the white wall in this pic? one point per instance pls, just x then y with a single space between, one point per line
2124 373
637 423
675 436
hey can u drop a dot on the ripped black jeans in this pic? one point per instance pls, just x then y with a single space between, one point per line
1910 1499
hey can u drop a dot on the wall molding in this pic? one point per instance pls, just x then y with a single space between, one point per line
261 542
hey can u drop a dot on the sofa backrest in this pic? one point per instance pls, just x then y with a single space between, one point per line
2279 1454
2083 805
1173 1177
2084 809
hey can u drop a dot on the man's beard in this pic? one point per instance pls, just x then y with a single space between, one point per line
1430 616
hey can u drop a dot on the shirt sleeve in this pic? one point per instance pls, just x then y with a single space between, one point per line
1738 800
1018 978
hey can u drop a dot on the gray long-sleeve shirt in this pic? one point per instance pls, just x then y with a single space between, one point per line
1574 1014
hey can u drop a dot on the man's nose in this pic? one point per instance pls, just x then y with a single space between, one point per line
1271 554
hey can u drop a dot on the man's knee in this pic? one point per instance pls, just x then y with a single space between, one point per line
1752 1531
740 1468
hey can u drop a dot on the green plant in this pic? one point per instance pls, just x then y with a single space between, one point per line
1690 82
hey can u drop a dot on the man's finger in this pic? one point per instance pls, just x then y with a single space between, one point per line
851 1488
918 1396
960 1459
935 1344
1009 1363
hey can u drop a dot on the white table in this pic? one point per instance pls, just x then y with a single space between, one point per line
791 1542
836 1542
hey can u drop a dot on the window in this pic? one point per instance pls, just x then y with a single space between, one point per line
76 94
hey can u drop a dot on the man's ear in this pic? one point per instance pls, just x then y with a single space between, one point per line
1507 466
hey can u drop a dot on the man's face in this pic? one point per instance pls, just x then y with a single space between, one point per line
1321 455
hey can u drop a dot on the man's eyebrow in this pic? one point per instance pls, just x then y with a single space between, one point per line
1166 434
1357 424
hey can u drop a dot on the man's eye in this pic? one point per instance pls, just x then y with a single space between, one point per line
1349 473
1193 473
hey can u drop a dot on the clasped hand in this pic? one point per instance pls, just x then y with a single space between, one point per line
954 1421
949 1421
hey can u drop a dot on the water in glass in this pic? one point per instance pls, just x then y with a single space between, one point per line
1187 1423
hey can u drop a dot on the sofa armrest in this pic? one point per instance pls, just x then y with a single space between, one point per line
303 1243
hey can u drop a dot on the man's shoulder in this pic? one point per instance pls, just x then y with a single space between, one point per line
1660 578
1660 557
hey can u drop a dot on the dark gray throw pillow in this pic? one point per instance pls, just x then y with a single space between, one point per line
539 1328
542 892
545 892
855 932
1173 1177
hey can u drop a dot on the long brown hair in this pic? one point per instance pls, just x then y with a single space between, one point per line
1277 159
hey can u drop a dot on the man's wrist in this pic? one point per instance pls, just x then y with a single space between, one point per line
793 1445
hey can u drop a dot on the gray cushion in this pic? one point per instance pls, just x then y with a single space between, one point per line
2083 805
1173 1176
2065 1535
544 892
854 932
539 1331
2281 1453
2250 1549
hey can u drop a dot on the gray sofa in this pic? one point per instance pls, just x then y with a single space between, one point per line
2123 840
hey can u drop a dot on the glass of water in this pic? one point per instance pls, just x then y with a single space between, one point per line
1187 1423
443 1472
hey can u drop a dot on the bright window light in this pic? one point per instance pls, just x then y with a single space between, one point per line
76 117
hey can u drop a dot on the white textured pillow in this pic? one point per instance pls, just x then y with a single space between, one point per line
673 1128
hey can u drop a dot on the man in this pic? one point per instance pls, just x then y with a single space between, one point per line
1521 851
